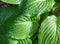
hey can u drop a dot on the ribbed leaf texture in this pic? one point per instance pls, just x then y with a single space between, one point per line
19 23
14 26
20 27
25 41
22 41
5 14
49 32
33 7
36 7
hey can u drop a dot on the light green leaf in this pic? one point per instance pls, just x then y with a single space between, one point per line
49 32
25 41
12 1
21 27
36 7
12 41
20 41
17 26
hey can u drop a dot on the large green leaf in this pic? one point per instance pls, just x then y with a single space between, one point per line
20 27
49 32
36 7
12 1
14 26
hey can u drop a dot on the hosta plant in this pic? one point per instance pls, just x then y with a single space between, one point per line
49 31
29 22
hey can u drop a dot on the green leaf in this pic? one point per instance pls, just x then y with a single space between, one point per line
49 32
12 1
12 41
5 14
36 7
25 41
21 41
21 27
16 26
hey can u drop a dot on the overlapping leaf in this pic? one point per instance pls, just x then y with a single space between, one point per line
36 7
20 41
49 32
16 26
25 41
23 26
5 14
20 27
12 1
